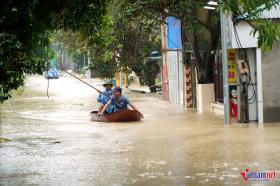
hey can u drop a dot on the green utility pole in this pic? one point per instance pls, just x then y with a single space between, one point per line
225 66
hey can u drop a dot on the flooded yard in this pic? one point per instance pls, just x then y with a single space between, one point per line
54 143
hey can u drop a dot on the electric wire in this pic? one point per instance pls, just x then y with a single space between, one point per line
249 82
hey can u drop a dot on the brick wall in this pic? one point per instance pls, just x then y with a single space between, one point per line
188 87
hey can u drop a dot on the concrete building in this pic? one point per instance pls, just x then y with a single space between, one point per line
264 87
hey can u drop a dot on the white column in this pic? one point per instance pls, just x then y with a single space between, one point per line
259 85
225 66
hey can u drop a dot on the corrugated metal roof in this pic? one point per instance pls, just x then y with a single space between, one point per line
273 13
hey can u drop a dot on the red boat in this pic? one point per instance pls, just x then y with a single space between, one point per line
122 116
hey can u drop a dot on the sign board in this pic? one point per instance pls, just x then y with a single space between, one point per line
174 39
231 66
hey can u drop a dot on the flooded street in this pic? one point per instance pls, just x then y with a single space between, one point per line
54 143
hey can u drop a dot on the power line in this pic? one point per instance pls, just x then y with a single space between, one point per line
249 76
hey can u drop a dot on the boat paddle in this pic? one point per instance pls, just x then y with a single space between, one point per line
91 86
80 80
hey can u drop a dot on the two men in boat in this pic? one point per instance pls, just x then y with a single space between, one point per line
117 102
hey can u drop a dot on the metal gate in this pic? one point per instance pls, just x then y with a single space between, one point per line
175 77
218 78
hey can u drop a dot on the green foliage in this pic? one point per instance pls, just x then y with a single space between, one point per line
14 63
150 71
105 69
268 31
102 47
74 44
251 11
199 26
77 59
139 36
24 25
129 27
133 38
196 25
99 47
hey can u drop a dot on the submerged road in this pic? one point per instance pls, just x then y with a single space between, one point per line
54 143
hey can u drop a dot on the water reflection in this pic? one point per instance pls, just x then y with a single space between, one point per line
54 143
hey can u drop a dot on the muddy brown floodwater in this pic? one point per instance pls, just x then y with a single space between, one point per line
54 143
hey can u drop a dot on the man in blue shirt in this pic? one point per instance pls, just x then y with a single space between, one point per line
119 101
105 96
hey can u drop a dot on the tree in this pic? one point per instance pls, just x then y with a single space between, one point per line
74 44
23 25
198 22
251 11
102 47
199 27
139 36
150 72
132 37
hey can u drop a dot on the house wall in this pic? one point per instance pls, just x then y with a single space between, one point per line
205 97
243 30
271 83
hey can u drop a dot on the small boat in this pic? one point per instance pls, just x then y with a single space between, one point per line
122 116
